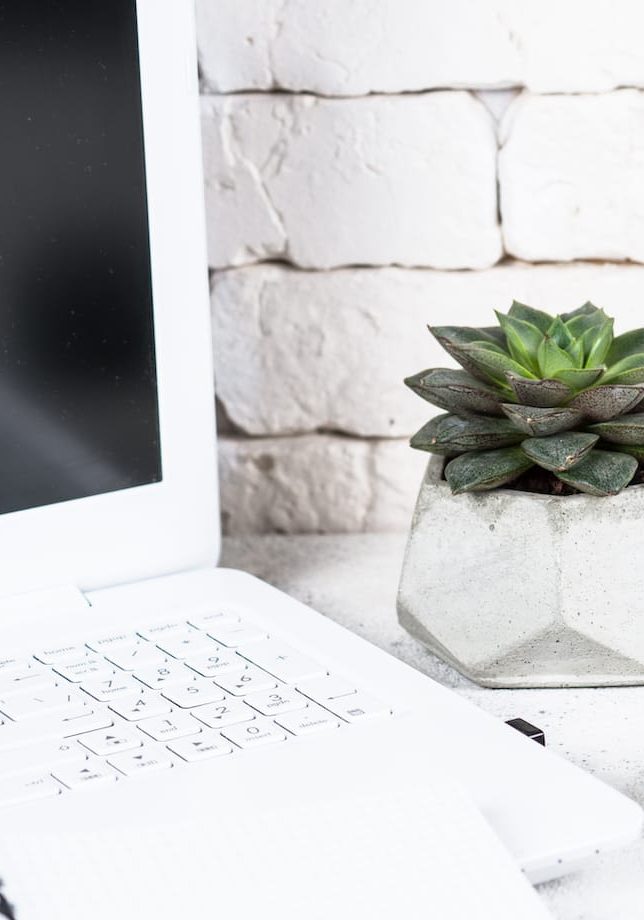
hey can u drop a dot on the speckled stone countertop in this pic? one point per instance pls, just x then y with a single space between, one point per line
353 580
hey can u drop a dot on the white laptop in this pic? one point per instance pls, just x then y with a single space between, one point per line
143 691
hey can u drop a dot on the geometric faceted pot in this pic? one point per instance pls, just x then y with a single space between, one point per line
517 589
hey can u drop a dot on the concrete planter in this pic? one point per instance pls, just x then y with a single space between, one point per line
523 590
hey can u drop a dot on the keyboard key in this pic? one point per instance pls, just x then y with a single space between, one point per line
39 703
73 721
43 683
118 683
248 680
112 740
131 657
213 618
327 688
358 708
144 705
205 747
308 721
84 669
27 681
76 723
149 760
45 755
158 676
182 645
213 664
14 790
196 693
234 635
10 665
230 712
91 774
62 654
155 631
284 662
281 700
176 725
254 734
105 643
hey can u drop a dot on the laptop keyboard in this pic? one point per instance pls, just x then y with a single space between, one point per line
176 693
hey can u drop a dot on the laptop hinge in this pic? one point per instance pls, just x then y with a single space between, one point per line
64 598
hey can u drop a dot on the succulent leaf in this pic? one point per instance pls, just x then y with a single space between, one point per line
458 335
631 378
586 309
484 470
492 361
583 323
552 358
537 318
495 334
580 325
559 452
629 370
454 339
456 391
451 434
427 438
523 340
601 473
597 343
544 393
630 343
577 351
542 422
635 450
580 378
559 333
599 404
627 429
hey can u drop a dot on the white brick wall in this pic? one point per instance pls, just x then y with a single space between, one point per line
572 177
326 149
353 47
328 182
317 484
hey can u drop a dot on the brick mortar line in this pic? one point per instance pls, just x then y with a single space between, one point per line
206 93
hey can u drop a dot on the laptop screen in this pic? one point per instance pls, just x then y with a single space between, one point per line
78 391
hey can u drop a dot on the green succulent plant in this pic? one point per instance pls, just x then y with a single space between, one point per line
557 392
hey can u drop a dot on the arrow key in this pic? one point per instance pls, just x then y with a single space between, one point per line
93 773
207 745
112 740
147 760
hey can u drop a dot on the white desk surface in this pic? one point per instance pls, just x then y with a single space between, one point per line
353 580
